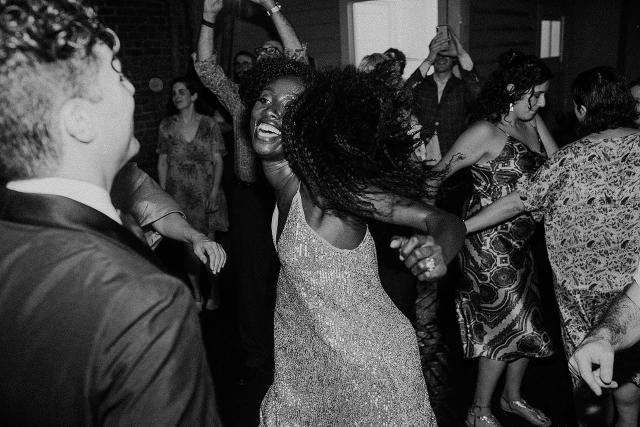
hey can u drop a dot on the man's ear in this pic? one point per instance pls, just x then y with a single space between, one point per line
194 97
510 87
75 120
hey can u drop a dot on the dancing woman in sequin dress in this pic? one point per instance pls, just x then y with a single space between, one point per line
344 354
498 304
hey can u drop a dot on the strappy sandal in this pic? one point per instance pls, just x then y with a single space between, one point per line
523 409
481 420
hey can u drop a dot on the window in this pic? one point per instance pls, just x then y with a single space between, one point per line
407 25
551 38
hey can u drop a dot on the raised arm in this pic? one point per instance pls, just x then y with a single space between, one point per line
438 44
284 28
227 92
207 66
210 12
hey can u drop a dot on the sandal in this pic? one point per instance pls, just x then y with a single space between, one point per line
523 409
481 420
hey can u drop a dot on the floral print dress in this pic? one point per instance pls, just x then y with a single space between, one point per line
589 196
191 170
498 303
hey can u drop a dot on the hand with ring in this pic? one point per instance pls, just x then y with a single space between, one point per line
421 255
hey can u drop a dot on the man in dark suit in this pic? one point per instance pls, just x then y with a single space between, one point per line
93 333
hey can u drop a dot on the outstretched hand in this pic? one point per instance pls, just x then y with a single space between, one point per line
595 351
210 253
421 255
212 7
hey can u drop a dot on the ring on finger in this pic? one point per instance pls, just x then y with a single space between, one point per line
429 264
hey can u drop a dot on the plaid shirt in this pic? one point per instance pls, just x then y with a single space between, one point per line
447 118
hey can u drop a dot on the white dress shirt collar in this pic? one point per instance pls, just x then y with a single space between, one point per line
82 192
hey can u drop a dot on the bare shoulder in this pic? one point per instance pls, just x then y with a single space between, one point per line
484 130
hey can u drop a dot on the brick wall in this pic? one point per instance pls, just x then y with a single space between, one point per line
317 23
155 44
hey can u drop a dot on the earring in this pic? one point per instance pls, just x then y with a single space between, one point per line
511 106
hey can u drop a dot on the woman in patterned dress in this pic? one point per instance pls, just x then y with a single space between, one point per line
190 148
589 196
497 305
344 354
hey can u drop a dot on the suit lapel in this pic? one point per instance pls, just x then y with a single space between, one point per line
61 212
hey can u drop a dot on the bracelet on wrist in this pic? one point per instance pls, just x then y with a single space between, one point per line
207 23
274 9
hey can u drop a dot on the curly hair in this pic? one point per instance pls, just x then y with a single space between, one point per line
606 96
397 55
45 58
522 71
269 69
346 137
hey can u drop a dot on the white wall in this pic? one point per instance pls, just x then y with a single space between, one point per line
407 25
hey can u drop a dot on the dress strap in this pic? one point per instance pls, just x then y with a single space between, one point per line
276 216
503 131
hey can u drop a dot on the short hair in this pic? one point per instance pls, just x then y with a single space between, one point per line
346 137
193 85
634 82
606 96
398 56
46 58
371 61
522 71
245 53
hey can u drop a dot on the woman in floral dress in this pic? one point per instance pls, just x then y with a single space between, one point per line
498 304
589 196
190 148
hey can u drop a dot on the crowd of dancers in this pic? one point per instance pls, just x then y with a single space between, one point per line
381 187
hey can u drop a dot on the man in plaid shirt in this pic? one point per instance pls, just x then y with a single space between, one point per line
442 100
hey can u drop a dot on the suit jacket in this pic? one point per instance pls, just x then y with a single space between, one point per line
93 333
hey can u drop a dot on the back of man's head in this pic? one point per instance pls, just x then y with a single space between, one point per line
46 58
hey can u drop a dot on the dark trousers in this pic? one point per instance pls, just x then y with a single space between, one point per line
254 270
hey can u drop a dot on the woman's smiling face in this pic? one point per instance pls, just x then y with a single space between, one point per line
267 113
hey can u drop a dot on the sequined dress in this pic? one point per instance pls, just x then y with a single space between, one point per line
344 354
498 303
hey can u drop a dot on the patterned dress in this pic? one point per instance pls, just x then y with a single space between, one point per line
190 171
589 196
344 354
498 305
